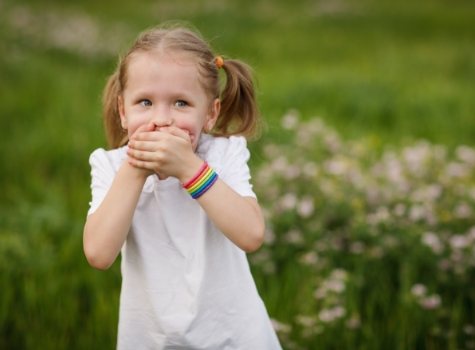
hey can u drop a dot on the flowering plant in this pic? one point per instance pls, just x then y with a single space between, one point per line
367 244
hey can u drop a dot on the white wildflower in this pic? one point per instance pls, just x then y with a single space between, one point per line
309 258
280 164
469 329
320 293
471 192
431 240
294 237
316 126
288 201
326 315
466 154
416 156
292 172
394 172
427 193
269 236
417 212
332 141
431 302
457 170
382 215
336 166
471 234
272 150
339 274
458 242
337 286
463 211
290 120
331 314
419 290
305 207
399 209
280 327
339 311
306 321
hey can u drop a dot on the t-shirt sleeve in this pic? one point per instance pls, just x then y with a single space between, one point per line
102 175
235 171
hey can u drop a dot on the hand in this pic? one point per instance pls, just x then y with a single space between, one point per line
164 150
142 171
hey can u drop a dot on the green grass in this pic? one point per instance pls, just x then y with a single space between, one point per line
382 71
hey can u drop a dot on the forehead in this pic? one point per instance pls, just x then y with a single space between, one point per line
156 67
163 57
151 62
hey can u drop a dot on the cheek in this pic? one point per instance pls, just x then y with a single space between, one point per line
132 127
193 124
134 121
193 129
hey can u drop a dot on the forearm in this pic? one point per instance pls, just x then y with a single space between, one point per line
106 229
239 218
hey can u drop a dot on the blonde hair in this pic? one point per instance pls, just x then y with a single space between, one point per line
239 113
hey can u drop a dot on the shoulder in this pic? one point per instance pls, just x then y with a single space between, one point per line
224 154
112 158
221 150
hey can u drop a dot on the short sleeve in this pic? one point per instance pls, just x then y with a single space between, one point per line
102 175
235 170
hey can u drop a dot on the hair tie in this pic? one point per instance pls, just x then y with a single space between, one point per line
219 62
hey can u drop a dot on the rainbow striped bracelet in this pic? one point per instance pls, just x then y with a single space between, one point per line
201 182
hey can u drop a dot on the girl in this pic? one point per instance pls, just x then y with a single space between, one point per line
174 197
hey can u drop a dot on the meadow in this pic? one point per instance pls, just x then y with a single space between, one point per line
365 166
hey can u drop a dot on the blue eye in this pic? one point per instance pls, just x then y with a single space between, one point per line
181 104
145 103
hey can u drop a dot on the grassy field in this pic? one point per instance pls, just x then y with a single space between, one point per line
378 75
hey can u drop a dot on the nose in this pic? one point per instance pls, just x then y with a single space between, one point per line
162 117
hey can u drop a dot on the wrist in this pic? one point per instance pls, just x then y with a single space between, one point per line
134 172
203 180
191 170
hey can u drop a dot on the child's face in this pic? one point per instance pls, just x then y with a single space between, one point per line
164 89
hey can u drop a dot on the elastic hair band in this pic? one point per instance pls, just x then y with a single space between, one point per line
219 62
191 182
201 182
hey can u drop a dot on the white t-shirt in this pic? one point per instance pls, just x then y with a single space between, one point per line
184 284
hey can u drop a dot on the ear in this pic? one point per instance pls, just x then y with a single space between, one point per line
121 108
213 114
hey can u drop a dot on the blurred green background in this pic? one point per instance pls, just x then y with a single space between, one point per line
386 72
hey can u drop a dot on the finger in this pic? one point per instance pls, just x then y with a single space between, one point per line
148 146
175 131
143 155
143 128
147 136
142 164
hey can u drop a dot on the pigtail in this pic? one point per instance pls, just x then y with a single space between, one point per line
116 136
239 113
